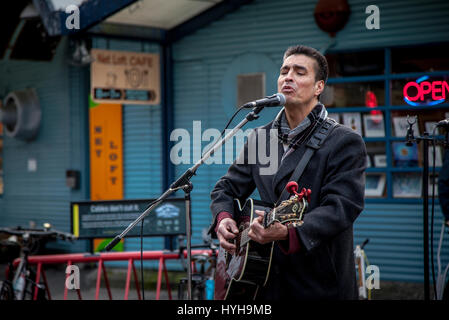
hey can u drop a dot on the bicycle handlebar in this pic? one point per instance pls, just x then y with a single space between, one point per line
364 243
38 233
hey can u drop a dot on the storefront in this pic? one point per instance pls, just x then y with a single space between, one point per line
211 70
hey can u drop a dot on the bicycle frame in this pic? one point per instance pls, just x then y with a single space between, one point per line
360 265
21 280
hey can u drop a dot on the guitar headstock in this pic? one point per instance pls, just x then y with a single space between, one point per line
289 211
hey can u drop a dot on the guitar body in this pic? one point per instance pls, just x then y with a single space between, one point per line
239 276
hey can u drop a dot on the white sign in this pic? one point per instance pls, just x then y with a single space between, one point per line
125 77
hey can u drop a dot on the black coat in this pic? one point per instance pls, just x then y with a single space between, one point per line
324 268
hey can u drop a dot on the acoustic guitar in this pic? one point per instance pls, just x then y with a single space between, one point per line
239 276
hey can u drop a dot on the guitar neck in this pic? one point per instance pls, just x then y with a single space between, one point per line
244 238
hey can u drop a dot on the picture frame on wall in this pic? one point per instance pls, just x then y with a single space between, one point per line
400 126
380 160
407 185
405 156
374 125
353 120
375 184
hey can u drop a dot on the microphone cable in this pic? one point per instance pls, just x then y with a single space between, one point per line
227 125
439 284
434 141
141 260
141 252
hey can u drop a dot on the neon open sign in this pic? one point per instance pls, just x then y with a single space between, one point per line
425 93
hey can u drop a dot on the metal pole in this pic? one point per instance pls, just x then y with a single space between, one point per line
189 238
426 216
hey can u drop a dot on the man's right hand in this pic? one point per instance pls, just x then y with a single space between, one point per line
227 230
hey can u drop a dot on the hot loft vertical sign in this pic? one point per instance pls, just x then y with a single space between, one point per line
106 151
424 92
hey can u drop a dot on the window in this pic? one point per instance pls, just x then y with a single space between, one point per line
355 64
365 92
428 58
250 87
353 94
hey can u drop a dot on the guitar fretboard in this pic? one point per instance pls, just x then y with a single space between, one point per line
243 237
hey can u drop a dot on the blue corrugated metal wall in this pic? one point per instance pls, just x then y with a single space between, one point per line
42 196
206 61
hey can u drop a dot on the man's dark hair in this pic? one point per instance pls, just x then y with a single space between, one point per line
321 67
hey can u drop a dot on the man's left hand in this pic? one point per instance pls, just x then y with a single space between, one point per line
258 233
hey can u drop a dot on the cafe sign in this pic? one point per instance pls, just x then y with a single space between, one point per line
125 77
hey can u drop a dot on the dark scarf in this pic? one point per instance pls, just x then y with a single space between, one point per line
295 137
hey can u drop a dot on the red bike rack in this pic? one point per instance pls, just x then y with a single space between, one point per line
100 258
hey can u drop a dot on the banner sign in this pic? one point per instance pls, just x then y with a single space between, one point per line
103 219
106 151
125 77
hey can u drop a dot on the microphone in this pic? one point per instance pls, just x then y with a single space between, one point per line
275 100
409 136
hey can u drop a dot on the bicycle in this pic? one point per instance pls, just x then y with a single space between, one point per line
202 281
361 262
20 284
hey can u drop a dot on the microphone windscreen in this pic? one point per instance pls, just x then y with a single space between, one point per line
281 99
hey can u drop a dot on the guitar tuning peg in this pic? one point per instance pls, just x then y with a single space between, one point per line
292 187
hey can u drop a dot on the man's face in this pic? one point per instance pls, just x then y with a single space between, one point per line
297 80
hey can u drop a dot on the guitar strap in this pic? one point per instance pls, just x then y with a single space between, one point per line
313 144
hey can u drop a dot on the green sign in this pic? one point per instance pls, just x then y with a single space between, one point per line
103 219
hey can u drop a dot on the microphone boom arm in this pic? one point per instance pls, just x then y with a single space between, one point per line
183 182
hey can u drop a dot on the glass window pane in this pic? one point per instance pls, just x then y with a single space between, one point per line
405 155
375 185
422 91
407 185
356 63
420 59
359 94
376 155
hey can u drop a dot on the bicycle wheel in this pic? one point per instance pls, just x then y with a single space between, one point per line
6 291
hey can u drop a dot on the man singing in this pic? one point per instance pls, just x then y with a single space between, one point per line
314 260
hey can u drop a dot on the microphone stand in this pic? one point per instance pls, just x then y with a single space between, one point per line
183 182
425 138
